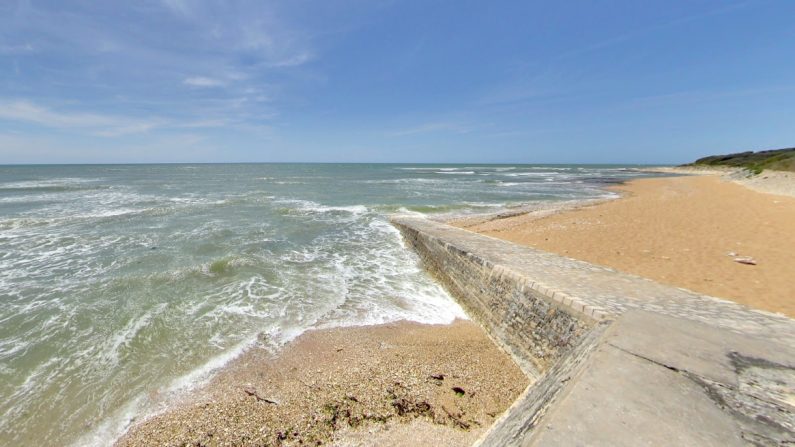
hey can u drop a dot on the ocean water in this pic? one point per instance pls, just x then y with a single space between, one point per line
123 285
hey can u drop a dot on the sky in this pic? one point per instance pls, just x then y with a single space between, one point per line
607 81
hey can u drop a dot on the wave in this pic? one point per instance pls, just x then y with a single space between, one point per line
531 174
359 275
121 339
310 207
144 289
65 184
429 168
111 428
399 181
51 189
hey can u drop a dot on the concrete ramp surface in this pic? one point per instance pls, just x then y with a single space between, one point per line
618 360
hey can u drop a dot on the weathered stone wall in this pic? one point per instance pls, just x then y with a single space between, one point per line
534 329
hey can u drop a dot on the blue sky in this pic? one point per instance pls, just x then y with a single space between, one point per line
394 81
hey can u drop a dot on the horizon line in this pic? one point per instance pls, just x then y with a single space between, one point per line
330 163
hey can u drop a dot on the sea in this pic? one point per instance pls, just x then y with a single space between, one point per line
124 286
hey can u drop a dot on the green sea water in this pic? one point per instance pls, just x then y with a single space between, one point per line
122 286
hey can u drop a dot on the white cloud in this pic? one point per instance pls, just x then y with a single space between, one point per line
95 124
293 61
201 81
29 112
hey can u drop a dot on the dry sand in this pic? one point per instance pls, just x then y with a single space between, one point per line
771 182
678 231
396 384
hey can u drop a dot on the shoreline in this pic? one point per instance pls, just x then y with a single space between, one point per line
441 436
363 385
679 231
347 436
387 429
171 398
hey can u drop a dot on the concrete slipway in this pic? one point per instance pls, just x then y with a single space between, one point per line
616 359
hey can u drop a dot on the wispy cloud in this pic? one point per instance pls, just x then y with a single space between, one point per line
220 53
94 124
293 61
26 111
263 35
201 81
179 7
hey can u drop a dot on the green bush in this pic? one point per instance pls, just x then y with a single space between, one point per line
755 162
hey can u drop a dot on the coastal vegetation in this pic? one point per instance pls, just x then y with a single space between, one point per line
756 162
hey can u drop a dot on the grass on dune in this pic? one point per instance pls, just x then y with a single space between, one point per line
756 162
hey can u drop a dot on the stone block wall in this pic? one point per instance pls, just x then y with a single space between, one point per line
534 329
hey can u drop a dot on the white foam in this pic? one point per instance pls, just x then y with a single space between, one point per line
314 207
114 426
530 174
348 268
407 181
429 168
203 373
406 211
9 347
127 334
49 183
487 204
109 213
35 379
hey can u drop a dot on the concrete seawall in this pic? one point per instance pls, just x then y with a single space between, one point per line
505 303
616 359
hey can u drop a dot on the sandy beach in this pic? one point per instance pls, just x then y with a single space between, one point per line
444 385
683 231
396 384
368 223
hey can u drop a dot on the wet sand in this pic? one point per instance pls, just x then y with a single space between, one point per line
396 384
682 231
